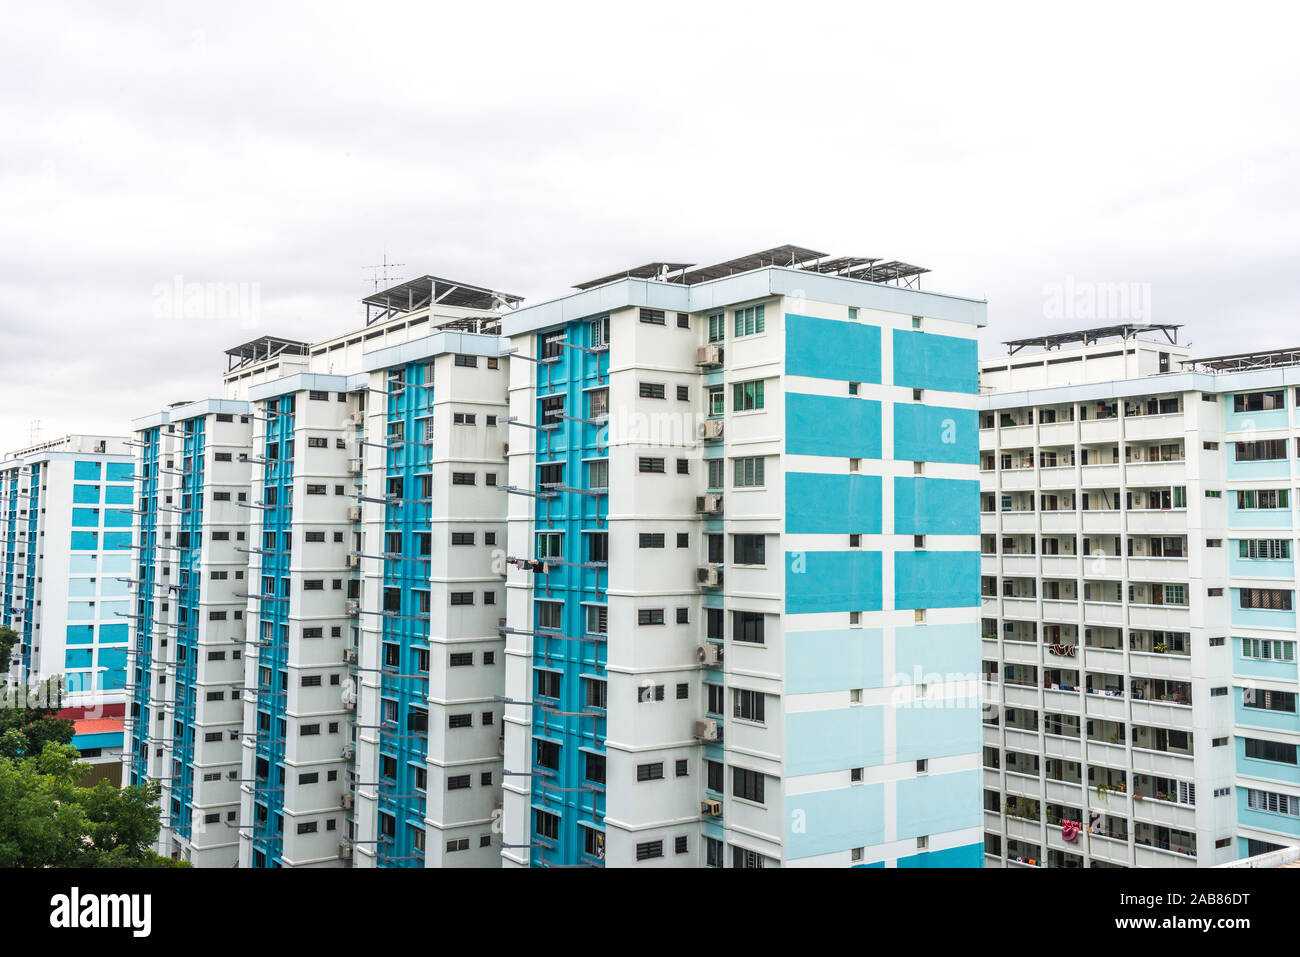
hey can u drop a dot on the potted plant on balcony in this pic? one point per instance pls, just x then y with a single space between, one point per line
1160 648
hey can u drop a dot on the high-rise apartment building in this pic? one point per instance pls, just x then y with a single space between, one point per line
65 531
742 588
1138 601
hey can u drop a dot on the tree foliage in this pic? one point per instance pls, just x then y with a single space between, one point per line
29 721
46 820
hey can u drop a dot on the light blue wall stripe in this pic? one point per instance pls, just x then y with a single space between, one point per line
829 425
932 433
833 349
934 506
816 502
923 360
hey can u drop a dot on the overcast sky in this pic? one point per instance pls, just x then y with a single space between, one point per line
1010 149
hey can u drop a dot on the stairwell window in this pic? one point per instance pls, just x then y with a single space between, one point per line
651 465
717 327
652 390
654 317
749 321
747 396
650 772
650 616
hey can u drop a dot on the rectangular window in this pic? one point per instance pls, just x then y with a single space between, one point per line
652 465
652 390
650 772
654 317
749 472
749 549
1258 401
1260 451
747 784
717 326
749 705
651 540
747 396
749 321
650 616
462 538
649 849
1270 751
467 362
462 478
1270 599
717 400
747 626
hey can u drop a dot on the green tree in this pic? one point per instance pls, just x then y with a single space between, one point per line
48 821
8 638
29 720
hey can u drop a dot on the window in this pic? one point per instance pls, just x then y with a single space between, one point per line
1273 802
654 317
747 396
598 474
548 683
1263 498
463 418
715 473
683 320
549 614
748 549
461 659
749 321
749 472
650 465
650 616
749 705
462 478
462 538
683 466
1265 700
1258 401
717 401
462 598
652 390
717 327
547 824
1271 599
683 393
1270 751
467 362
593 767
651 540
713 775
747 784
548 755
550 545
598 403
1264 548
649 849
1268 649
683 618
1263 450
597 619
747 626
683 539
307 827
650 692
714 694
650 772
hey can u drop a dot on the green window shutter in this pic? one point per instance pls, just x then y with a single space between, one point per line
758 394
758 319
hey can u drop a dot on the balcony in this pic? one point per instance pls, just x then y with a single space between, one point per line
1011 479
1095 431
1024 608
1024 785
1020 696
1157 520
1160 665
1100 475
1020 565
1060 566
1060 520
1162 714
1024 521
1167 764
1158 569
1151 810
1020 652
1110 755
1060 609
1059 746
1107 848
1166 617
1016 436
1056 433
1104 659
1019 740
1064 792
1062 702
1106 706
1154 473
1056 476
1108 520
1103 613
1142 427
1147 856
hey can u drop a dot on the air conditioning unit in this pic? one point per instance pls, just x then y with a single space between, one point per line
354 561
711 808
353 608
706 729
345 851
350 656
710 355
347 800
710 504
708 576
354 466
354 513
350 704
358 418
709 653
501 746
348 752
711 429
505 449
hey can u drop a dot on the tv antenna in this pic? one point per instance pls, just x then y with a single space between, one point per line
382 274
35 432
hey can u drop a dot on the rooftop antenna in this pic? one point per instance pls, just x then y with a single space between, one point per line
382 273
35 432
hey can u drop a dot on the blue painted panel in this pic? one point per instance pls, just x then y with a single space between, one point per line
86 471
936 579
85 518
935 803
85 495
937 728
118 495
116 540
836 660
847 427
114 659
935 506
105 739
85 541
824 822
832 349
834 581
118 472
932 433
1256 517
836 504
1252 421
80 635
968 855
835 740
78 657
928 650
923 360
116 518
113 634
1265 820
1259 667
1265 469
1240 567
